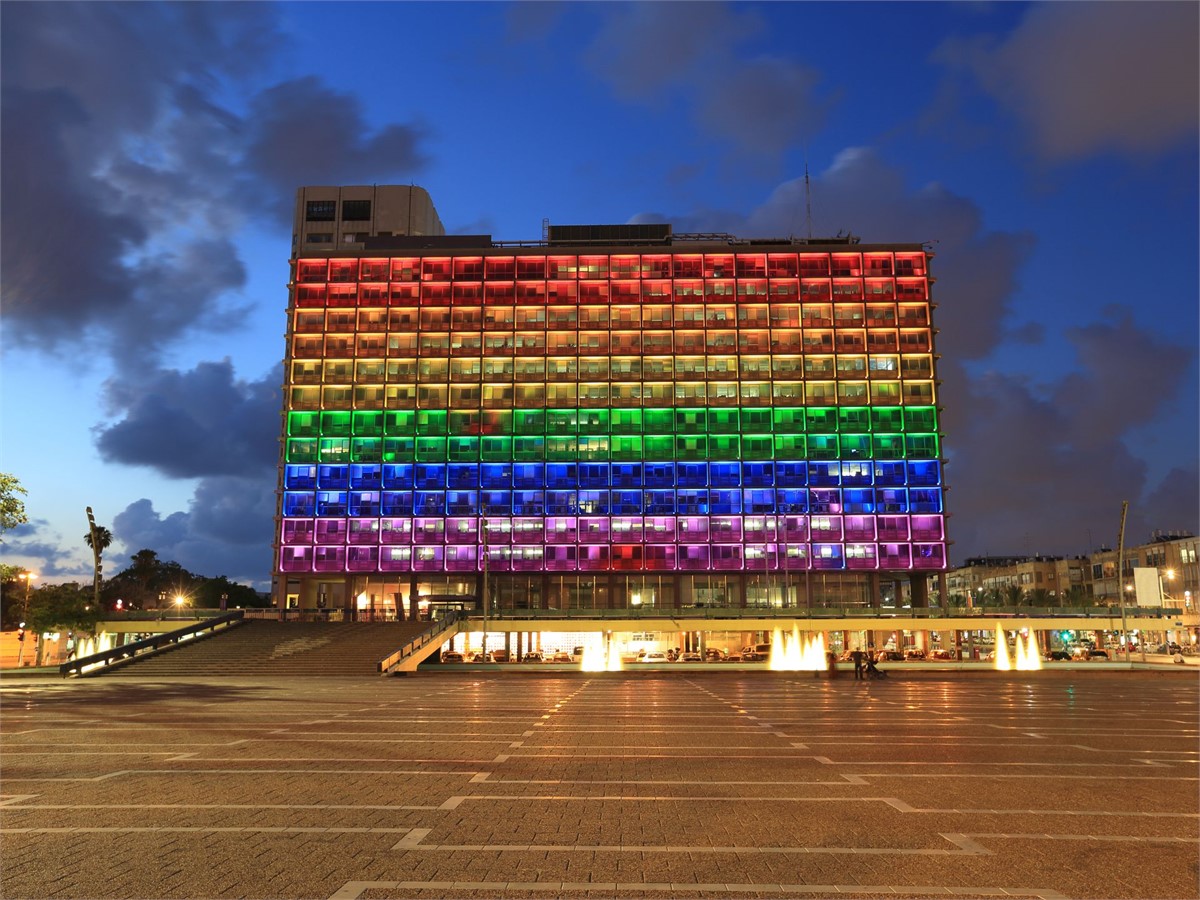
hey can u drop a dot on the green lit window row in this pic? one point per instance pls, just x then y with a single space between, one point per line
862 420
621 448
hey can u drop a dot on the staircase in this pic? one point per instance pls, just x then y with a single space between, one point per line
280 648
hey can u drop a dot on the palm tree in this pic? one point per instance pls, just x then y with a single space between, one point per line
1013 595
1040 597
98 538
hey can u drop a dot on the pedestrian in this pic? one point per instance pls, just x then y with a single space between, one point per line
873 671
857 656
831 663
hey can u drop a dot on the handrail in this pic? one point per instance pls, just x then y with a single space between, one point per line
148 645
834 612
440 625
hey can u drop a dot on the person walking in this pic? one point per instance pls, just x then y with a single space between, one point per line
873 671
856 655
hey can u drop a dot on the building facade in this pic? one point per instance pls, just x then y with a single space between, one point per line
611 417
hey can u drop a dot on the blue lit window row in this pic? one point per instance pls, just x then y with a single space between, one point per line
586 476
665 502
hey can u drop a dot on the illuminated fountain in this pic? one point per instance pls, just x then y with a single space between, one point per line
605 658
1028 658
791 653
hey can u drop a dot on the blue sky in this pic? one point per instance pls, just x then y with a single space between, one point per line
151 154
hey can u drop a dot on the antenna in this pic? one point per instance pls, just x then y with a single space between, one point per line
807 199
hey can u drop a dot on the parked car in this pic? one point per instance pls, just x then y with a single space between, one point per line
577 654
914 653
940 653
655 656
733 656
889 656
533 656
560 656
1097 654
498 656
1054 655
690 656
451 656
756 653
712 654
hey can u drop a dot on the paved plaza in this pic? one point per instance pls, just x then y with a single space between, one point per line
674 785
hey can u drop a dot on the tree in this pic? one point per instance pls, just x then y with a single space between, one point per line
1040 597
98 538
1076 596
12 507
1013 595
61 607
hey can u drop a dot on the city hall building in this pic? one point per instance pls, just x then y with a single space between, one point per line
611 417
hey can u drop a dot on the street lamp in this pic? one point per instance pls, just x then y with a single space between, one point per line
26 577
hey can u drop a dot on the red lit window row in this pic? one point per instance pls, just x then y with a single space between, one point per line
618 266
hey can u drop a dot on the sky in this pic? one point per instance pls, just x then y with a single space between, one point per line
1047 152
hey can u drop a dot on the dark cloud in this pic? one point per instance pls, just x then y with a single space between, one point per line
37 540
136 147
650 51
306 133
226 531
1090 77
532 21
199 423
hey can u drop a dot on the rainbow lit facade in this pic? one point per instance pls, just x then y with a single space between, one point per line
702 408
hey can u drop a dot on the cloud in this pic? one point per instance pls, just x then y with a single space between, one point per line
1092 77
39 546
306 133
221 534
649 52
138 140
203 422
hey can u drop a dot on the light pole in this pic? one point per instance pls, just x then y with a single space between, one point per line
26 577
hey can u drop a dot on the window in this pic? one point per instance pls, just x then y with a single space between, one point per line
356 210
319 239
320 210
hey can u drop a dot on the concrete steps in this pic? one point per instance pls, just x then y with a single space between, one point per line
280 648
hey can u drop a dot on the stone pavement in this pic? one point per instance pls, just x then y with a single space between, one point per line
675 785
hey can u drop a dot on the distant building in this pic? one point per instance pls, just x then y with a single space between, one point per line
1093 578
610 417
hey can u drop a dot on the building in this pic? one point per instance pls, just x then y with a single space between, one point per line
980 578
611 417
1172 553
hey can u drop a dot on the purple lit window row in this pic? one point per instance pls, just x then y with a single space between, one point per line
616 557
465 531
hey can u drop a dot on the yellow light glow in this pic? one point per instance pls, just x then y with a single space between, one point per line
1003 663
791 653
606 658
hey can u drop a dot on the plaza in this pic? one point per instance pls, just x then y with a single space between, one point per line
707 784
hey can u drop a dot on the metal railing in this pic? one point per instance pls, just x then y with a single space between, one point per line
834 612
150 645
434 631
